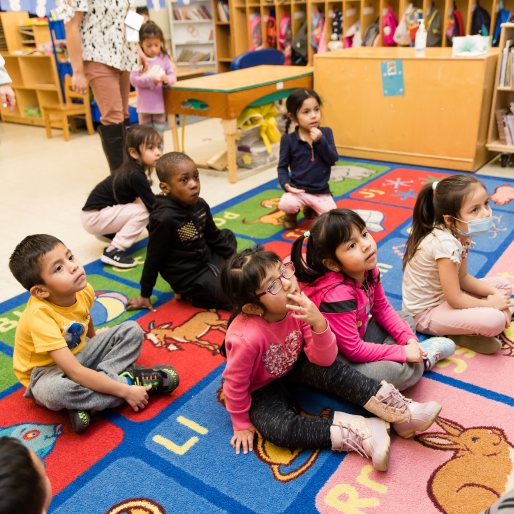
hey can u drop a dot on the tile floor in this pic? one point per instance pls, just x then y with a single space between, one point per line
45 183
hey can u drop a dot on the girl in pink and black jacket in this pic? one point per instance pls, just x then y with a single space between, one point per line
340 276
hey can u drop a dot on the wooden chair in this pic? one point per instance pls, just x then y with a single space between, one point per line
68 111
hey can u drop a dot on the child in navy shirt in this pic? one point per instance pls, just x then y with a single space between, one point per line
306 158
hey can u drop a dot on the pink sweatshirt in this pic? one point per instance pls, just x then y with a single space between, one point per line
258 352
149 95
345 305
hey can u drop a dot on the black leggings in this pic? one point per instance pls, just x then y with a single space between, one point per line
272 415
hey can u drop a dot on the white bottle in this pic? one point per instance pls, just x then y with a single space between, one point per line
421 36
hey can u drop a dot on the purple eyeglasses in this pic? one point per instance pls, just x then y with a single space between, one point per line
276 286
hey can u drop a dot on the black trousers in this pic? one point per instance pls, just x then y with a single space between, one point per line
205 289
272 415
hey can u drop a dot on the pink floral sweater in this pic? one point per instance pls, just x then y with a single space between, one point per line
347 307
258 352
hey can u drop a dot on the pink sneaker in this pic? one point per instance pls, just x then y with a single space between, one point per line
369 437
407 416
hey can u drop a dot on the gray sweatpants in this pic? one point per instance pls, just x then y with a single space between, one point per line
401 374
110 353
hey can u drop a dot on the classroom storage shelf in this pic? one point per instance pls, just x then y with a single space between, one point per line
192 37
235 37
34 77
502 98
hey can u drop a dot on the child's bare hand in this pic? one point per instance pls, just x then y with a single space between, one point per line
416 342
291 189
137 397
244 437
139 303
100 330
157 80
307 311
499 300
413 353
316 134
165 79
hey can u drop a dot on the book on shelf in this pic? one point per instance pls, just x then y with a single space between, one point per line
190 56
505 122
223 12
192 14
506 67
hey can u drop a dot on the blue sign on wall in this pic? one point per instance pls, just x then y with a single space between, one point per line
392 78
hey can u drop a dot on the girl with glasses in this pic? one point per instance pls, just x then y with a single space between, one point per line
276 339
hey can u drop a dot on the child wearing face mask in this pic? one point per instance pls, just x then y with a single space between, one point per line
437 289
306 158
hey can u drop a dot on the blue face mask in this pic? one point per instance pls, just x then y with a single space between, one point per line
477 227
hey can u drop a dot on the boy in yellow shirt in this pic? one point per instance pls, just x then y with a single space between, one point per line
58 355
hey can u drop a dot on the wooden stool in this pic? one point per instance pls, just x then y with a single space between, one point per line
69 109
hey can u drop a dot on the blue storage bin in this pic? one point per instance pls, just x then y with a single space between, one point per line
134 119
95 113
58 28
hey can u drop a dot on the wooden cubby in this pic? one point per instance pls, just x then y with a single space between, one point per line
367 11
502 98
34 76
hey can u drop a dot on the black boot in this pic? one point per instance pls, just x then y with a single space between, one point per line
112 137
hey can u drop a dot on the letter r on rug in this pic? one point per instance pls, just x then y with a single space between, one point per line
350 506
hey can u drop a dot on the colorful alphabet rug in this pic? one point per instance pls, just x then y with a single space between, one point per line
175 457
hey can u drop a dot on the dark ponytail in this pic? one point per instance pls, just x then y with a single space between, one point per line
433 204
137 137
241 276
328 231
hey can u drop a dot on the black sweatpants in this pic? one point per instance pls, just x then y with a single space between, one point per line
205 289
271 414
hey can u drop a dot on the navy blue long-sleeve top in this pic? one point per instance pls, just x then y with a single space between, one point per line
296 167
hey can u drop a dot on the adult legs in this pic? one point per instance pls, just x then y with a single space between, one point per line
111 94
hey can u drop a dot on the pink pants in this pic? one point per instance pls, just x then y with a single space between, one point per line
127 221
444 320
291 203
111 88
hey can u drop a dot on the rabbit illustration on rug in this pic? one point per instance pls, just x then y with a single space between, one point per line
479 472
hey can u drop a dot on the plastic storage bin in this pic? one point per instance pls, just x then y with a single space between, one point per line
251 151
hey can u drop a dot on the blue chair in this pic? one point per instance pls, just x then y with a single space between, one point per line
257 58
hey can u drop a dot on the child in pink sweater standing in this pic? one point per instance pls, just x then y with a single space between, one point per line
150 102
340 276
278 338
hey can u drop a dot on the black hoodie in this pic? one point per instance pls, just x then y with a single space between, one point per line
180 243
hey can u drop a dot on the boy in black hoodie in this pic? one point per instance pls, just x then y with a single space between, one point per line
184 244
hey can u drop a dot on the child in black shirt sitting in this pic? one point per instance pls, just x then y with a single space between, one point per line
184 244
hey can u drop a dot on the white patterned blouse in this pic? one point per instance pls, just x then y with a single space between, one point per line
103 31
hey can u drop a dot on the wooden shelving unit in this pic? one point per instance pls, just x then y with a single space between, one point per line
194 35
34 77
234 38
502 97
